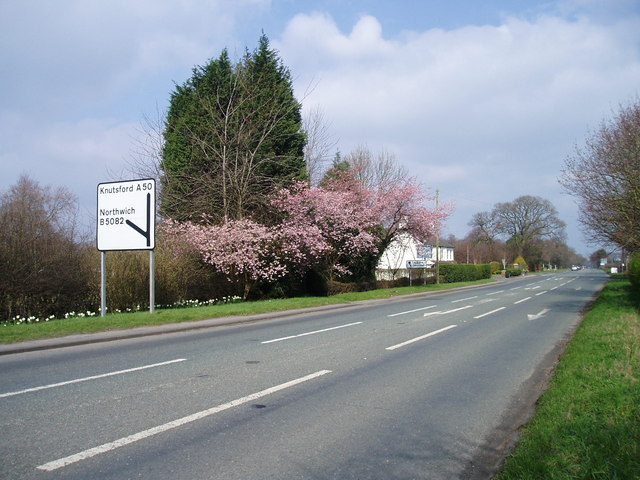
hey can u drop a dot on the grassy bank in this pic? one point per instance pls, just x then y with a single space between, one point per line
11 333
587 424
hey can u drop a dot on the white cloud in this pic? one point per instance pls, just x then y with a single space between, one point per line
86 54
78 76
505 103
78 155
317 37
88 142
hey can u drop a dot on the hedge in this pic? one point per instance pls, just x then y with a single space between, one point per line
336 288
464 273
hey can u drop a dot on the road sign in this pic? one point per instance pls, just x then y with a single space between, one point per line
126 215
416 264
420 264
424 251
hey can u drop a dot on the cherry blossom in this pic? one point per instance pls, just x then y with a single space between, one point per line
325 227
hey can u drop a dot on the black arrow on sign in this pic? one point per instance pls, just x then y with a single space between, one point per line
145 233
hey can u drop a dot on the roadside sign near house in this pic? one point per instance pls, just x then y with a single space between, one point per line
126 215
419 264
424 251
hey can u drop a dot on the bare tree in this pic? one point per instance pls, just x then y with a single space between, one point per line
146 155
320 144
376 172
42 266
524 224
527 219
484 231
556 253
604 176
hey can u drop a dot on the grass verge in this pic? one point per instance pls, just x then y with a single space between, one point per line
58 328
587 424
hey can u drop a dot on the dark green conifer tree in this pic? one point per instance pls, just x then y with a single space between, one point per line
233 135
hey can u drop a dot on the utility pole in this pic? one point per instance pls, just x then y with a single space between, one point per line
437 242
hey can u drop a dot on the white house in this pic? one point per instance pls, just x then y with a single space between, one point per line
393 262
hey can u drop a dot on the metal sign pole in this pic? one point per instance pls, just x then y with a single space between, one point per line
103 284
152 281
437 242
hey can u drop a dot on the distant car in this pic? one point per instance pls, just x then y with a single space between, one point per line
575 267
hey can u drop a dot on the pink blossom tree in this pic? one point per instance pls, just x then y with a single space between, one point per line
322 227
398 207
402 209
243 250
315 228
330 228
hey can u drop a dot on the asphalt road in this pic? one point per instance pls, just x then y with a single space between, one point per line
423 387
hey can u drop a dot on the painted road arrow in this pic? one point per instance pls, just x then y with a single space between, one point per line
538 315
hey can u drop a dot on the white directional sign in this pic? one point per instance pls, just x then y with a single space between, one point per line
126 215
419 263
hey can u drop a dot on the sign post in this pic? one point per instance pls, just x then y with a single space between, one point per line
424 251
413 264
126 221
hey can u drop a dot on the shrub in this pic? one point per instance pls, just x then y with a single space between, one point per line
496 267
179 276
335 288
514 272
398 282
522 264
464 273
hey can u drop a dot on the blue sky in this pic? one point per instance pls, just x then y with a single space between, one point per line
481 100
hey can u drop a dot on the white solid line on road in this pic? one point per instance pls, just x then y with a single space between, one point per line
411 311
107 447
447 311
463 299
310 333
523 300
457 309
93 377
489 313
393 347
495 293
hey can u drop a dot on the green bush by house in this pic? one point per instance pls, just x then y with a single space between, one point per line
465 273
